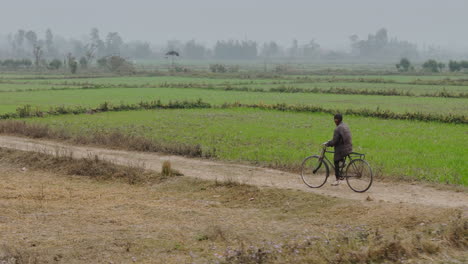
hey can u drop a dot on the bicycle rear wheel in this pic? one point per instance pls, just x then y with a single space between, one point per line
359 175
314 172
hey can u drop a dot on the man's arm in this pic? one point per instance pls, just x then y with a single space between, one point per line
335 140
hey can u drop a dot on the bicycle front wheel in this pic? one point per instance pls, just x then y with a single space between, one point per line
314 172
359 175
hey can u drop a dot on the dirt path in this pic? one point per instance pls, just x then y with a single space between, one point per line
211 170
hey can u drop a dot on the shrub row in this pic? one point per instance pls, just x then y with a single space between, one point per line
351 91
28 111
450 118
451 82
446 81
280 89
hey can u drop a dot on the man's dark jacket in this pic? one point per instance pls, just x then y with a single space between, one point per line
341 141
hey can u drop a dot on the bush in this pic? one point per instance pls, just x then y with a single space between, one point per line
218 68
181 69
15 64
455 66
83 63
433 66
404 65
116 64
281 68
55 64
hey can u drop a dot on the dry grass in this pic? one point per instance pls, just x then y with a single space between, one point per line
48 217
91 166
15 256
168 171
113 139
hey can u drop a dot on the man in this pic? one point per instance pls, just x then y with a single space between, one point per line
342 143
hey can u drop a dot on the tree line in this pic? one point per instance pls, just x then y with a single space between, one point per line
432 65
41 50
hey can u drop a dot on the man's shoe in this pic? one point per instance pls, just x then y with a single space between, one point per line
336 183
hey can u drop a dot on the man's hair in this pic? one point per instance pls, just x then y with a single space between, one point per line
339 117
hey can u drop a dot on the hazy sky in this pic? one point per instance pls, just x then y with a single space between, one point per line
329 22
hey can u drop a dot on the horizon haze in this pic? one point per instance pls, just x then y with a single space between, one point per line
329 23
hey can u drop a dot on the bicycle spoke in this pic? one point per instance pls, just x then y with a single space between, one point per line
359 175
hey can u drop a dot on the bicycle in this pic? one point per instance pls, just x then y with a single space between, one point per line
358 174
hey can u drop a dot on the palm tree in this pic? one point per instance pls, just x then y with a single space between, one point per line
172 54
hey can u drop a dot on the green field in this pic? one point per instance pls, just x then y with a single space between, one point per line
9 101
399 148
430 151
416 85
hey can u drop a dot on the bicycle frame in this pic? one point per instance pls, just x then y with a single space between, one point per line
324 158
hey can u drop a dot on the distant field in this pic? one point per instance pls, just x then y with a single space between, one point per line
9 101
415 85
417 150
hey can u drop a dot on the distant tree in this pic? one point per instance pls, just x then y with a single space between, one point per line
355 44
354 38
175 45
381 38
17 43
79 48
31 37
294 50
94 35
73 67
83 62
14 64
464 64
49 43
142 50
404 65
37 52
432 66
311 49
113 43
235 50
454 66
98 46
102 62
72 63
194 51
90 52
55 64
441 66
379 46
270 49
172 54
